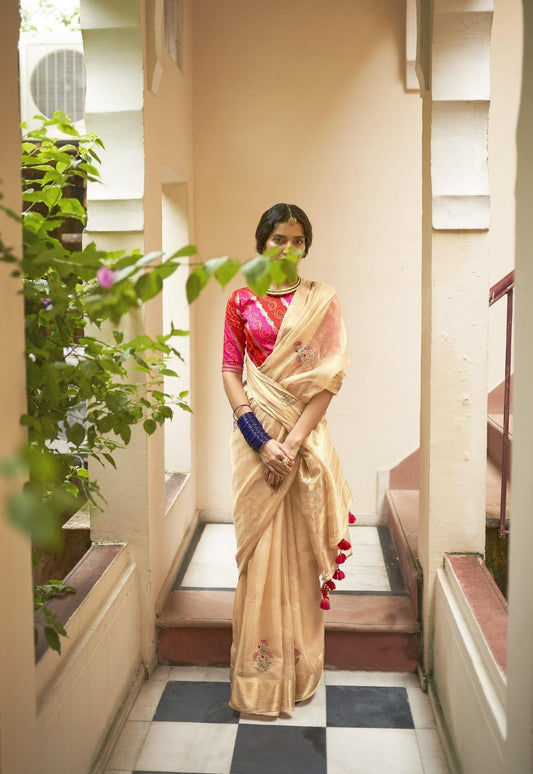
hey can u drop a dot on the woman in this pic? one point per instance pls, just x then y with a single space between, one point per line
290 496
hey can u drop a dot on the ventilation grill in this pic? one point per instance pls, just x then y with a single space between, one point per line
58 83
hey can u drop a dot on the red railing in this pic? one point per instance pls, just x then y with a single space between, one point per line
505 287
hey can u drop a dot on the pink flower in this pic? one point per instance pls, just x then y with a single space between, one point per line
105 276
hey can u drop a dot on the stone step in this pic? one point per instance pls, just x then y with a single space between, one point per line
363 631
403 523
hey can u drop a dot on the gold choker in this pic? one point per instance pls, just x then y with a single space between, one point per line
284 291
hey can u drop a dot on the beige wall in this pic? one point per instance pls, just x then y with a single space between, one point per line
17 677
305 102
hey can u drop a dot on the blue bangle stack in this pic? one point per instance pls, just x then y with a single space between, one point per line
252 430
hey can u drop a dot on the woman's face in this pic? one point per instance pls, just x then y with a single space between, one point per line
286 236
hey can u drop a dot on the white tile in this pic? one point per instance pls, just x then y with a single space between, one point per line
200 747
213 562
147 700
420 708
372 751
311 713
364 536
433 757
364 578
129 744
411 680
385 679
200 674
367 556
160 673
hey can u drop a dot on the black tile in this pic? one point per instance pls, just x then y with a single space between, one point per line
392 561
362 706
196 702
188 556
285 750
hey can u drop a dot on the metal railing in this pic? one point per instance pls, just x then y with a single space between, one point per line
505 287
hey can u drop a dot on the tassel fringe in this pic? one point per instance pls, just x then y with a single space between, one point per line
327 586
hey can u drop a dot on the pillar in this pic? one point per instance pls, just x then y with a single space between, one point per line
134 493
453 68
17 669
519 752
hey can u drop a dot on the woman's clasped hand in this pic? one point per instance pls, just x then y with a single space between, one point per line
278 462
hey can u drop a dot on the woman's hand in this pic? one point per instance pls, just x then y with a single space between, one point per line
276 458
291 446
278 463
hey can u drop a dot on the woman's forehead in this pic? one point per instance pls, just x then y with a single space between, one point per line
288 229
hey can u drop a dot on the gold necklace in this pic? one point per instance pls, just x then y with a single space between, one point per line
283 291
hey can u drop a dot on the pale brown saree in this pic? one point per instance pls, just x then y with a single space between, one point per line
287 538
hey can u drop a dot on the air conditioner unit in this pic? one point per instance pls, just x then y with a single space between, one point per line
52 77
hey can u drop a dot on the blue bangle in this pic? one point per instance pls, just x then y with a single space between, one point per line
252 430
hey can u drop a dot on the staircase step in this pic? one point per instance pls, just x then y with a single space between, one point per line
403 523
495 438
363 631
494 483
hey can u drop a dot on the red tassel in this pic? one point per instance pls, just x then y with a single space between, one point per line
324 603
331 585
339 574
351 518
341 558
344 545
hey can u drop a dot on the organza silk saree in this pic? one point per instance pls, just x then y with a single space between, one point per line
288 538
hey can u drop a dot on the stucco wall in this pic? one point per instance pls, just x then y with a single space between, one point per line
467 686
305 102
17 696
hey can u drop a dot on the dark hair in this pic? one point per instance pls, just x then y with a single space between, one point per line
280 213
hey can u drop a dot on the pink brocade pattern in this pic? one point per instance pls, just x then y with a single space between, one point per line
251 324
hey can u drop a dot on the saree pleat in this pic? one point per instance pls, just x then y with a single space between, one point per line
287 538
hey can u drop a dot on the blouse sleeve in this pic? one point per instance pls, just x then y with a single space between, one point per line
233 353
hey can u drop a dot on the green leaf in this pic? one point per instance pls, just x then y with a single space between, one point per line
125 434
166 269
110 459
226 271
52 638
196 280
149 426
184 252
72 206
148 286
255 269
76 433
27 511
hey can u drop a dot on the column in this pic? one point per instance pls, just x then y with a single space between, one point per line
453 67
519 753
17 669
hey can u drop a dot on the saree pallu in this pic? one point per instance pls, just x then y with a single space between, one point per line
287 538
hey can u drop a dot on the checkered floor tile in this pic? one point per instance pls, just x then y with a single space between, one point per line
357 722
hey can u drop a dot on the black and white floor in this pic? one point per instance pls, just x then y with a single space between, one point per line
357 723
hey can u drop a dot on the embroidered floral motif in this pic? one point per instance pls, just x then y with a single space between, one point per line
296 656
304 355
263 657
